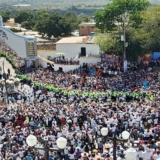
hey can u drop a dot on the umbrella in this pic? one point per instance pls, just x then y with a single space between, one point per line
60 53
95 151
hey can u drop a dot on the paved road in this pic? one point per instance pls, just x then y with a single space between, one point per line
7 66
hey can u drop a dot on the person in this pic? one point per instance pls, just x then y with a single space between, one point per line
9 71
84 156
157 155
89 102
29 157
147 155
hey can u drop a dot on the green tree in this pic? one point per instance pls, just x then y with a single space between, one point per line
40 15
119 17
85 18
148 33
26 24
54 25
5 16
113 16
72 19
109 43
23 16
41 27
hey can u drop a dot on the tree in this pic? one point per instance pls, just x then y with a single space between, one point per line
23 16
109 43
26 24
40 15
148 33
72 19
114 14
5 16
119 17
54 25
85 18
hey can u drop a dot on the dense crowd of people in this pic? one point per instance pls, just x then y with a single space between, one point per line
65 61
88 100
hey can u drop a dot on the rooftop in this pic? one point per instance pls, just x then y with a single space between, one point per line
87 24
77 40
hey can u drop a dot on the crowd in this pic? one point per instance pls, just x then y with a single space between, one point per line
86 103
65 61
84 78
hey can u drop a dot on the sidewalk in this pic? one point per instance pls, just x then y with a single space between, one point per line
7 66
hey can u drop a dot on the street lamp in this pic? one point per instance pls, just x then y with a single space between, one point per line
130 154
125 136
8 87
31 140
5 87
61 144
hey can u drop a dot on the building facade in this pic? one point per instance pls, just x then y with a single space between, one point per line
85 29
82 46
24 46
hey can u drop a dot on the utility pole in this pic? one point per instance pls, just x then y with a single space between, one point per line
124 37
5 94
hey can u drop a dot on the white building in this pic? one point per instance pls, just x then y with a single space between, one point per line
24 46
1 21
78 46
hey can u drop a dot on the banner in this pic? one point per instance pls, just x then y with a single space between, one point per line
125 66
28 64
145 84
108 58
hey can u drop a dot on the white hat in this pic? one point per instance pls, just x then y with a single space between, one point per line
107 145
84 154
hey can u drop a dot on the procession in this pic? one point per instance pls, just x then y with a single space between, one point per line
80 80
84 111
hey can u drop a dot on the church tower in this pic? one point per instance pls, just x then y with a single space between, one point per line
1 21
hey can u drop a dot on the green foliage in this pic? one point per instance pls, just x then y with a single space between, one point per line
23 16
9 59
113 15
109 43
5 16
148 33
26 25
40 15
117 16
50 24
55 25
15 30
72 19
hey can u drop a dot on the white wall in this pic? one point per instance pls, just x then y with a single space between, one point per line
66 68
42 63
16 42
91 60
45 54
72 50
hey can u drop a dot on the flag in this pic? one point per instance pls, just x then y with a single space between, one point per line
145 84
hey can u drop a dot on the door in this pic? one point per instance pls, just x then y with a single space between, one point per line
83 52
33 63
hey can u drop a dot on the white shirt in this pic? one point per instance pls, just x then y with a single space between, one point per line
156 121
140 154
155 156
21 153
146 155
